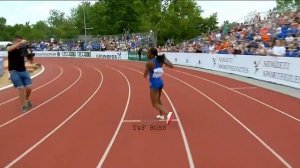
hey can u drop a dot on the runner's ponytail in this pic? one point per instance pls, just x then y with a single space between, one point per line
161 58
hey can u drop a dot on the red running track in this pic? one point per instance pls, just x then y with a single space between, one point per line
97 113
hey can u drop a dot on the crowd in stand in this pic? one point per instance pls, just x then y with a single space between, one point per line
123 42
277 34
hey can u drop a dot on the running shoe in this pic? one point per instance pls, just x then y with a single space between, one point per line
169 117
29 104
24 108
160 117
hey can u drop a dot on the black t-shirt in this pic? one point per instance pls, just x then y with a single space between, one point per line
16 60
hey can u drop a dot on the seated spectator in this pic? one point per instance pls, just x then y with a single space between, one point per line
249 51
250 37
261 50
264 30
280 36
217 47
292 51
284 30
211 47
218 36
265 37
278 49
237 49
257 37
294 29
289 39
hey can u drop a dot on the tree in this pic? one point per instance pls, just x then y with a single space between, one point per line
3 33
60 26
40 31
180 19
283 5
26 31
183 21
120 15
176 19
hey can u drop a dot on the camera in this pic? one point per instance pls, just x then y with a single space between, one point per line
27 52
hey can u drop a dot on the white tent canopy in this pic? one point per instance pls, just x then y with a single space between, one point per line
4 43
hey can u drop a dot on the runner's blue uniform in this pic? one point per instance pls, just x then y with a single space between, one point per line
155 75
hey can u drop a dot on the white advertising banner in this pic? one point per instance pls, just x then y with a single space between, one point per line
3 53
84 54
1 66
280 70
47 53
110 55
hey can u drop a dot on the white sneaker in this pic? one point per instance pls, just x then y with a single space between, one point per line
160 117
169 117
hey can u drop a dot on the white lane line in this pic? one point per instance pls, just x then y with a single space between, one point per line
107 150
47 101
186 144
147 121
280 158
256 100
54 79
58 127
33 76
185 141
132 121
243 88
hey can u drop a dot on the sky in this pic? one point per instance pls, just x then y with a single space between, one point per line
33 11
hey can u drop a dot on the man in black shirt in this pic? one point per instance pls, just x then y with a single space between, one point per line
18 73
140 53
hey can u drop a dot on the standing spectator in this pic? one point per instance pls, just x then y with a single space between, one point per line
218 36
140 53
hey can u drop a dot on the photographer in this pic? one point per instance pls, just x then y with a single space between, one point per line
140 53
17 51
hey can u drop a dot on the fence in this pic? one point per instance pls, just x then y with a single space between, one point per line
121 42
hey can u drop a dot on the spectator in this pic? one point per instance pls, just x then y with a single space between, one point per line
292 51
289 39
278 49
261 50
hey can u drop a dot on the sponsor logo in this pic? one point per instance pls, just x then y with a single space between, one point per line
84 54
221 59
276 64
282 76
109 56
46 54
214 61
256 66
69 54
234 68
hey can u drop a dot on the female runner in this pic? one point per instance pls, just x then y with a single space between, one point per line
154 70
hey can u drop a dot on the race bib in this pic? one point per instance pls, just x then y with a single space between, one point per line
158 72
